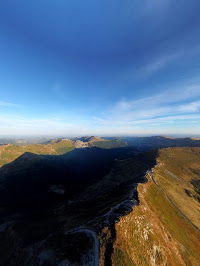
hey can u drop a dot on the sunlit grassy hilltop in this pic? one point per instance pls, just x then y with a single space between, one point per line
10 152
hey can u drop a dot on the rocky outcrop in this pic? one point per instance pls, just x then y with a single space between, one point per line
80 144
88 138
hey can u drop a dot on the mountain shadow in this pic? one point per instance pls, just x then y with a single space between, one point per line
26 182
42 196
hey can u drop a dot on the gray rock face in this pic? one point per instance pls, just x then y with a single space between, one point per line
80 144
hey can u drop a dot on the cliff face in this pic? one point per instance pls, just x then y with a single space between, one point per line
155 233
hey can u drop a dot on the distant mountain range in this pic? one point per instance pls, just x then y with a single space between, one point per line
130 140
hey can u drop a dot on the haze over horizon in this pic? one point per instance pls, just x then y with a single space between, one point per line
99 67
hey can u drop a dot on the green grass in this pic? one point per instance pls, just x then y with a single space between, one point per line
10 152
177 172
122 258
63 150
109 144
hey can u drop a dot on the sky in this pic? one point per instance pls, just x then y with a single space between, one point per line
99 67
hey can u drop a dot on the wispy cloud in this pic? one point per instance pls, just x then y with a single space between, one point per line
190 107
168 119
158 64
8 104
163 59
177 106
178 103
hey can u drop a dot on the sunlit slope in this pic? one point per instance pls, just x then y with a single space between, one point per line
155 233
177 172
10 152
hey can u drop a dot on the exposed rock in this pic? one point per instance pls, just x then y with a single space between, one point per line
80 144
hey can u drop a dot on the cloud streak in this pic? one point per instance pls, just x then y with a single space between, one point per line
158 64
177 104
8 104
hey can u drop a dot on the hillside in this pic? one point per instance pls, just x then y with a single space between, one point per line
159 142
10 152
178 173
108 144
88 138
155 233
163 229
98 142
95 205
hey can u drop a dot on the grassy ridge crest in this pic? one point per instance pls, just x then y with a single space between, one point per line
10 152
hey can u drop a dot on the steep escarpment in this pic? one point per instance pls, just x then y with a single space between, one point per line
155 233
161 230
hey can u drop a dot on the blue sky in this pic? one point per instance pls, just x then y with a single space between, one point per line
106 67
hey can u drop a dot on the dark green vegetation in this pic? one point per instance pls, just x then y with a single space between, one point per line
196 184
109 144
122 258
159 142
